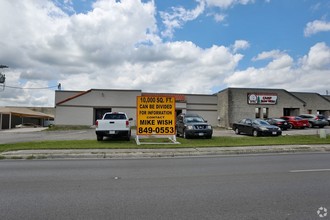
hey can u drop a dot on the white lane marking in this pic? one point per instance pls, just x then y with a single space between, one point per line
312 170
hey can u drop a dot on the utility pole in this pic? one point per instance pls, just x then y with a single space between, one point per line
2 77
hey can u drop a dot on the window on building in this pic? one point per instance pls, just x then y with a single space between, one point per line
265 112
258 112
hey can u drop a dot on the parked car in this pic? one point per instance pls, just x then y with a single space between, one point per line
27 125
315 120
283 124
192 125
296 122
256 127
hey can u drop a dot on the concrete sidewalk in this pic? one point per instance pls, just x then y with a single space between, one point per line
158 153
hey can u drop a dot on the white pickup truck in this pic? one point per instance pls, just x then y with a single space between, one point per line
113 124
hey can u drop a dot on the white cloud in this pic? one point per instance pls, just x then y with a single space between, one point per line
315 27
219 17
311 73
273 54
178 17
318 58
115 45
240 45
227 3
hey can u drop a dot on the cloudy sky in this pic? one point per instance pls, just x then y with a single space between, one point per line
186 46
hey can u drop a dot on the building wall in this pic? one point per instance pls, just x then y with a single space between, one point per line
61 95
106 98
81 109
74 115
223 108
315 103
86 103
205 106
233 104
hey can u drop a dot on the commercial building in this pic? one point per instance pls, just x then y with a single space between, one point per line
237 103
85 107
221 109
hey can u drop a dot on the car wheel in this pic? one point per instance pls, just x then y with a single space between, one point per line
255 133
185 136
290 126
177 133
237 131
99 137
310 125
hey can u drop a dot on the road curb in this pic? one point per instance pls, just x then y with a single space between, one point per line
158 153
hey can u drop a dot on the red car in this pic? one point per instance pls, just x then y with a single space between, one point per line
296 122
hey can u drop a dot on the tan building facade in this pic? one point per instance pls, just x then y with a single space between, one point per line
235 104
221 109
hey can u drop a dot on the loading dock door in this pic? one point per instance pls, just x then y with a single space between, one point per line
99 112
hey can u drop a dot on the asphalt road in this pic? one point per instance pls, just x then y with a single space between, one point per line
228 187
35 134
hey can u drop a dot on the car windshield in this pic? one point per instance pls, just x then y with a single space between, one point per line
260 122
193 119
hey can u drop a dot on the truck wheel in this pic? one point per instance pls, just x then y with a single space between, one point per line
99 137
128 138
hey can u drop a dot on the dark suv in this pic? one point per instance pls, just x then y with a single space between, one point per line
192 125
315 120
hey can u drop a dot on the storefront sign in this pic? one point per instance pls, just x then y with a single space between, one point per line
155 115
262 98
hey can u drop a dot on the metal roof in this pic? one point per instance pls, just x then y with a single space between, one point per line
24 112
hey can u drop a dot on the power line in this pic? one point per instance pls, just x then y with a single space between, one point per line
15 87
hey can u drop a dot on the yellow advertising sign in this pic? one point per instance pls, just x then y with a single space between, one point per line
155 115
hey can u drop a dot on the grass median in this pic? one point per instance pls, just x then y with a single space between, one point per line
159 143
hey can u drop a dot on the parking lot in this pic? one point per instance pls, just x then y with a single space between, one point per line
41 134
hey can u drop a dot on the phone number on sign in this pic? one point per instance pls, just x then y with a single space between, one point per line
157 130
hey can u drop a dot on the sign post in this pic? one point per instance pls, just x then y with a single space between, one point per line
155 116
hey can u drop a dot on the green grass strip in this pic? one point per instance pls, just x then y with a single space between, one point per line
185 143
